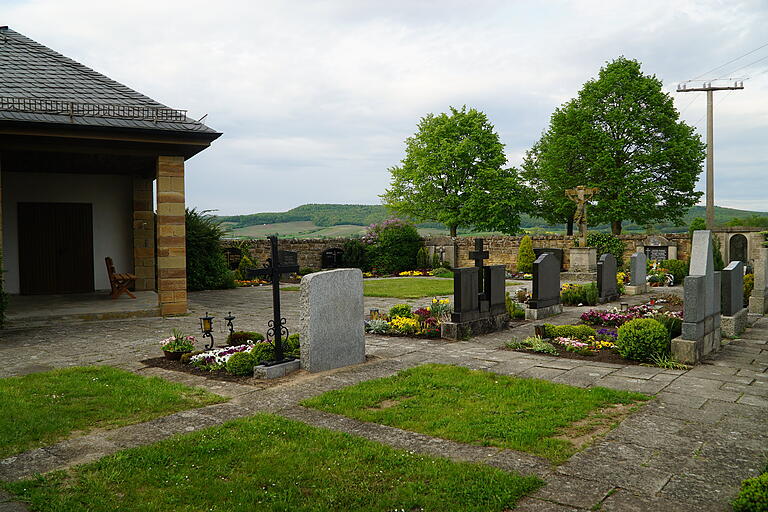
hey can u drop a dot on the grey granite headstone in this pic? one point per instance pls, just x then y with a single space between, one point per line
734 315
332 326
545 296
607 287
758 301
701 304
638 269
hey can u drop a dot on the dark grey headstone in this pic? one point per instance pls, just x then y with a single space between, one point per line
332 258
466 301
546 282
702 264
638 269
495 276
657 253
607 287
557 253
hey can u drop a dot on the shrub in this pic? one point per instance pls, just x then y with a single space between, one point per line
240 363
717 255
607 243
576 294
422 258
749 285
292 346
262 352
403 310
697 224
306 270
186 356
405 325
435 260
514 309
243 266
678 268
576 332
354 254
206 265
673 324
535 344
525 255
753 496
242 337
377 326
393 246
642 339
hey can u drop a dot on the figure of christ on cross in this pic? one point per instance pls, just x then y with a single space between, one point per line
273 270
580 195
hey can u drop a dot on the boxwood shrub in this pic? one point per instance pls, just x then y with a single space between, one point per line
576 332
753 496
678 269
642 339
243 337
240 363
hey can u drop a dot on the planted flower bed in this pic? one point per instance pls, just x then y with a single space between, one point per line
423 322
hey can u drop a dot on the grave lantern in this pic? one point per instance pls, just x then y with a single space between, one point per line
206 325
374 314
229 318
624 306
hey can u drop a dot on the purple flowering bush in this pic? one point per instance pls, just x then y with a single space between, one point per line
217 358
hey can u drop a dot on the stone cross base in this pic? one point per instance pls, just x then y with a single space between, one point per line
276 370
635 290
463 330
539 313
583 259
758 304
732 326
610 298
698 340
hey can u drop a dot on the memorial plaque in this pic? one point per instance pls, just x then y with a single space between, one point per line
657 253
332 258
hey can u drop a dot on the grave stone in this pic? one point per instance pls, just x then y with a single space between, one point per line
734 314
332 258
758 300
557 253
638 274
657 247
331 323
607 287
466 298
545 297
288 258
701 310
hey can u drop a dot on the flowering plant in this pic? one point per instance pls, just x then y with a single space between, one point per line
413 273
405 325
441 308
216 358
178 342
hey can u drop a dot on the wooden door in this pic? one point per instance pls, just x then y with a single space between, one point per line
55 248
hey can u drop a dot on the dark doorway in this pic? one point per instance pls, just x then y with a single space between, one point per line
738 248
55 248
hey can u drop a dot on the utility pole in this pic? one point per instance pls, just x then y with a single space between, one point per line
707 86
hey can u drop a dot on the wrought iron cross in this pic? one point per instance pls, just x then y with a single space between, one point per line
479 255
273 269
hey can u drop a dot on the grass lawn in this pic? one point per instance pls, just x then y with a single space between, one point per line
482 408
400 287
42 408
270 463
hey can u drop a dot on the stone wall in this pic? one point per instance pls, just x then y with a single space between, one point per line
503 249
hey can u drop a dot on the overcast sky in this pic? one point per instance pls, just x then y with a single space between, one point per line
315 99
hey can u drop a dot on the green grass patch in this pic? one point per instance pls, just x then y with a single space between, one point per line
478 407
270 463
290 288
407 287
42 408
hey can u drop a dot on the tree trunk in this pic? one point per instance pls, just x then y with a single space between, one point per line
569 226
453 230
616 227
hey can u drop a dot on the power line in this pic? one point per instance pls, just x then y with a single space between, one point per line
729 62
742 67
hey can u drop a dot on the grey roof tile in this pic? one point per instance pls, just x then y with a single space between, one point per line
31 70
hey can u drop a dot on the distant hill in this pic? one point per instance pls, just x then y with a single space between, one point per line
333 220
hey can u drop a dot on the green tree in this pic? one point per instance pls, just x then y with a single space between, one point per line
206 265
697 224
453 173
525 255
623 135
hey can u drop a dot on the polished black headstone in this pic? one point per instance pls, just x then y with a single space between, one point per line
732 288
332 258
557 253
466 300
495 284
607 287
546 282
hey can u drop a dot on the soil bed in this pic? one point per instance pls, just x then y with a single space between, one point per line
178 366
603 356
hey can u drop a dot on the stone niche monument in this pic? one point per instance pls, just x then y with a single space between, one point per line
758 301
734 314
479 304
657 247
638 274
607 286
545 297
331 323
701 309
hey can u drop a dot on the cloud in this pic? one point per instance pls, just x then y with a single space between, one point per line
315 99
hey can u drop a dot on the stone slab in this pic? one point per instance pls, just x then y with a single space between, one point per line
733 326
540 313
331 319
276 370
583 259
638 270
636 290
464 330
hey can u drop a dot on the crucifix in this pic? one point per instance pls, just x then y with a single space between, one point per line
479 255
273 269
580 195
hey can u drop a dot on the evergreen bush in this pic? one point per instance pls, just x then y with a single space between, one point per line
240 363
354 254
206 265
262 352
678 268
753 496
403 310
578 294
576 332
243 266
749 285
672 324
243 337
422 258
607 243
642 339
392 246
525 255
435 260
717 255
697 224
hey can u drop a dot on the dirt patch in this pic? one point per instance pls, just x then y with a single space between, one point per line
599 422
603 356
388 403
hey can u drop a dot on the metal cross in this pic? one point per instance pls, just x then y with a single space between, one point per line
273 269
479 255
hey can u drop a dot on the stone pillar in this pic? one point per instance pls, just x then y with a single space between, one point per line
758 301
171 240
143 234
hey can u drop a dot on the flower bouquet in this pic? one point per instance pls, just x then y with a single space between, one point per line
177 345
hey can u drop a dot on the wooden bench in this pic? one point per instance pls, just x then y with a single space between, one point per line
119 282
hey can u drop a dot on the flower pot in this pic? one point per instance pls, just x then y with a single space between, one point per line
174 356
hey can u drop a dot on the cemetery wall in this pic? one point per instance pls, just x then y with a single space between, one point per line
503 249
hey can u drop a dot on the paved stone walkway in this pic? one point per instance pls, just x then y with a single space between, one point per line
687 449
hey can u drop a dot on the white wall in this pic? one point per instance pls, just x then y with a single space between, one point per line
112 200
